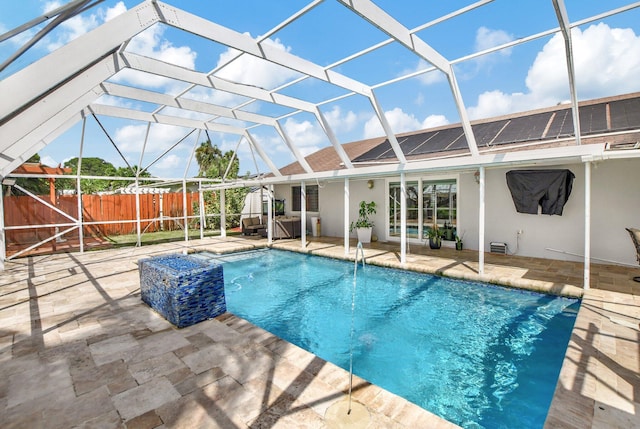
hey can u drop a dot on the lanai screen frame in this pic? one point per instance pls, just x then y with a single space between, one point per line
83 80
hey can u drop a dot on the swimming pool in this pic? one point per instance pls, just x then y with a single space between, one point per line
474 354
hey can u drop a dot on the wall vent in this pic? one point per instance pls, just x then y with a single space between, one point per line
498 247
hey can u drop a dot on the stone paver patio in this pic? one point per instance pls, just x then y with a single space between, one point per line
78 348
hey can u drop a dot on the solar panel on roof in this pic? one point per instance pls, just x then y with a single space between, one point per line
625 114
416 141
442 140
375 153
383 150
524 129
593 119
485 133
562 125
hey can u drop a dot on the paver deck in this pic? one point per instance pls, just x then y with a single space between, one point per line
78 348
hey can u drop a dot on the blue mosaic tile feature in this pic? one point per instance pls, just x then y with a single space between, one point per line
185 290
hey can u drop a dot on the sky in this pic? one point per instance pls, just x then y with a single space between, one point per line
519 78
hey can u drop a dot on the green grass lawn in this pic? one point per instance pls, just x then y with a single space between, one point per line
163 237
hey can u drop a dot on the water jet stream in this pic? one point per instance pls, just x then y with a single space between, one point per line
353 307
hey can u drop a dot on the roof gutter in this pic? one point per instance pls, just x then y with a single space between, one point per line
548 156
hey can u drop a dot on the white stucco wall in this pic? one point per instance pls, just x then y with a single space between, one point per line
615 204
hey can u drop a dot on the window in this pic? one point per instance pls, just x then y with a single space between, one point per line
312 198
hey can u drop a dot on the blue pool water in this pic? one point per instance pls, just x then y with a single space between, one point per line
480 356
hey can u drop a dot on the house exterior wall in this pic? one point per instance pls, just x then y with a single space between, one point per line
615 204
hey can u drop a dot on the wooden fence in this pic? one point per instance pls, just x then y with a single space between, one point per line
118 210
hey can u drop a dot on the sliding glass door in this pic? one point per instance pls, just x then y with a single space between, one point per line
429 203
439 205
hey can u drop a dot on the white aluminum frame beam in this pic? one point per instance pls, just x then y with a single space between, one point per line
565 27
397 150
138 115
332 138
254 144
160 68
294 149
167 100
70 60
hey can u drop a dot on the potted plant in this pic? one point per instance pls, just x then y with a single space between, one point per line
364 224
435 237
458 242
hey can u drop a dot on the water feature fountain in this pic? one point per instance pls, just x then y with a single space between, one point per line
349 414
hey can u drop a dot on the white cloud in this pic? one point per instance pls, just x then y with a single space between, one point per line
150 43
169 162
400 122
71 28
111 12
306 136
48 161
130 138
429 78
487 38
341 122
78 25
606 61
433 121
255 71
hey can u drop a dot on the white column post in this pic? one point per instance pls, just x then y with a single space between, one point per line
3 238
481 224
79 191
184 210
303 214
587 224
346 216
223 212
138 226
201 205
270 214
403 219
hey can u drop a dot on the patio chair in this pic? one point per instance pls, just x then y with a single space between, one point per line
252 226
635 237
